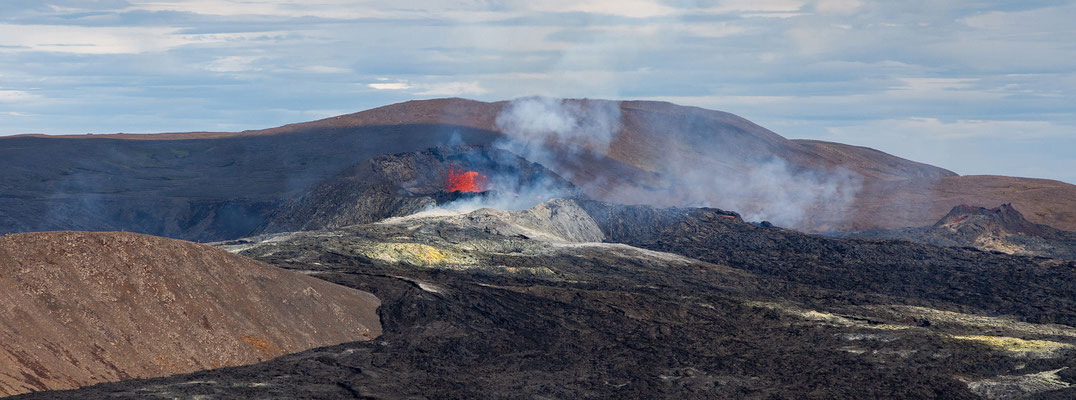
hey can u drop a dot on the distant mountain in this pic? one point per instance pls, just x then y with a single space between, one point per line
1002 229
198 187
219 185
79 308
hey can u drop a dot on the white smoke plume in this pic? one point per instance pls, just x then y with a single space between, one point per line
770 191
557 132
585 124
567 135
522 197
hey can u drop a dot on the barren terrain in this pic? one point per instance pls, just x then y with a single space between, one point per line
214 186
80 308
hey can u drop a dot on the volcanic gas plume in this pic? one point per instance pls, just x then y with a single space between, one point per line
459 180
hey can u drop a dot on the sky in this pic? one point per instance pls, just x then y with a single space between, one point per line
978 87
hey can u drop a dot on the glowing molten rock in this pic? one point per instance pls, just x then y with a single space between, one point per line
458 180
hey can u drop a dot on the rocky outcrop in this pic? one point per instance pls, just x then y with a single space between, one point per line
393 185
1002 229
78 308
638 223
967 221
557 220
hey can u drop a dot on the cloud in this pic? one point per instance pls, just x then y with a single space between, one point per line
754 7
1038 19
234 64
89 40
626 8
837 7
329 9
455 88
451 89
934 84
655 31
242 7
933 129
325 69
13 96
110 40
389 85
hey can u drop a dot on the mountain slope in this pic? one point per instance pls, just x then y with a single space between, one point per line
213 186
873 163
1002 229
78 308
194 189
919 202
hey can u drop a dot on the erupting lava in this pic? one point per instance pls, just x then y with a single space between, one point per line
464 181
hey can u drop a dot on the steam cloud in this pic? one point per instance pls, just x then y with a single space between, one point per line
558 132
582 124
767 190
552 132
567 135
511 196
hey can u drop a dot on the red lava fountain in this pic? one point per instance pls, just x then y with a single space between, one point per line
464 181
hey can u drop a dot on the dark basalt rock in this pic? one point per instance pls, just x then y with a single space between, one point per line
392 185
1040 290
1003 217
603 325
199 189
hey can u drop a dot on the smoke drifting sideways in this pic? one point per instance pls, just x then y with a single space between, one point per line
533 124
714 159
698 166
766 190
560 134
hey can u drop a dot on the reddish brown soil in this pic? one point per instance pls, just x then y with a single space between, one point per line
872 163
78 308
921 202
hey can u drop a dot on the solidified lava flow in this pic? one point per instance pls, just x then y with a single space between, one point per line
464 181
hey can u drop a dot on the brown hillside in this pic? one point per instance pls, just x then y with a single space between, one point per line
920 202
873 163
78 308
225 184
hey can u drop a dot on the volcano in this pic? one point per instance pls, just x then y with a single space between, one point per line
215 186
395 185
484 287
458 180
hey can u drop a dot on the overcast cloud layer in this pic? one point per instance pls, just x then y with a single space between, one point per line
983 87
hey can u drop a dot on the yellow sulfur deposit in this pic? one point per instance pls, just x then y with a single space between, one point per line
1007 343
415 254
